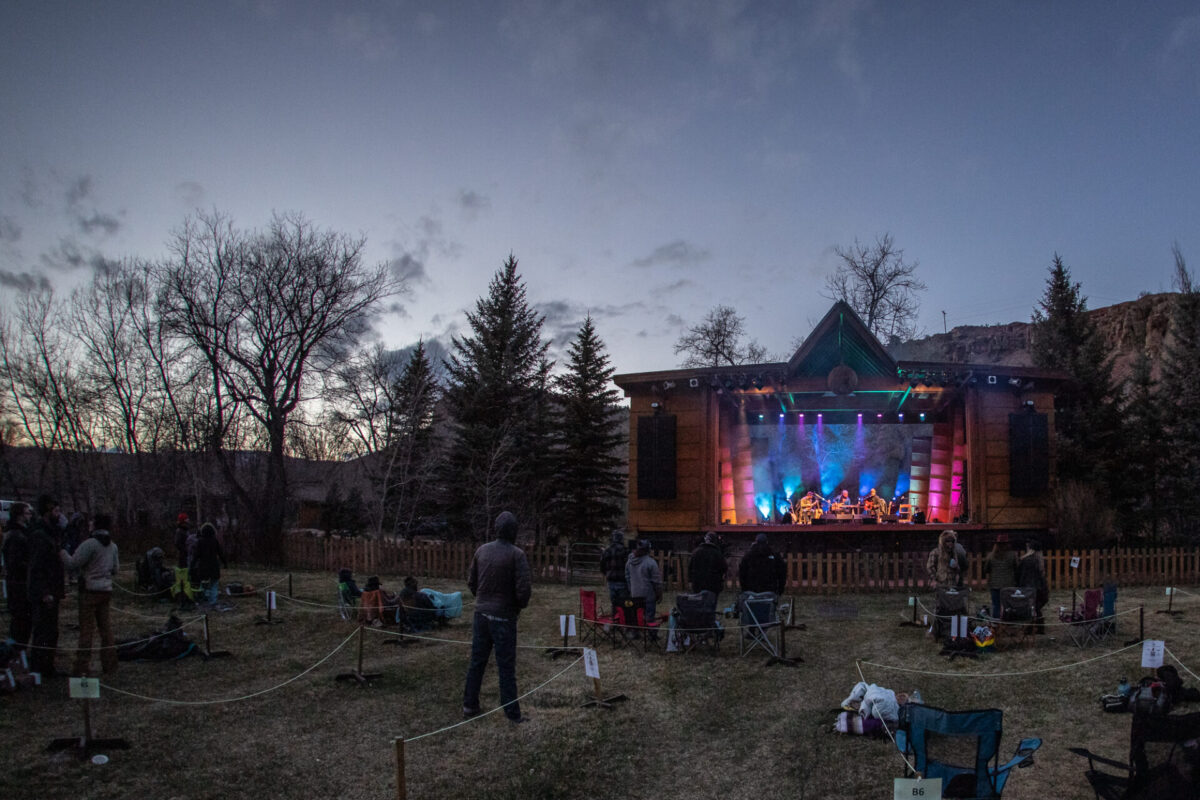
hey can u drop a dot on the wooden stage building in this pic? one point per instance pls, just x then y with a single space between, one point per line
732 449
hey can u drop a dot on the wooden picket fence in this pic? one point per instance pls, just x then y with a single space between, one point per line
807 573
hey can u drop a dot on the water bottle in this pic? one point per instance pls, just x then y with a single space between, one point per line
1123 687
915 697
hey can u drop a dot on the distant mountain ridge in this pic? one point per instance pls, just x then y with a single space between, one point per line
1129 328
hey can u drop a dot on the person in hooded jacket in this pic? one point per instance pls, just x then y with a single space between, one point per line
761 569
644 577
947 563
706 569
97 561
499 578
46 587
16 573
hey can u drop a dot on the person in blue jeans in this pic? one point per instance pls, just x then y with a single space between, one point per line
500 581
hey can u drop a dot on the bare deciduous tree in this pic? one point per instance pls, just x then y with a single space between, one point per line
879 285
718 341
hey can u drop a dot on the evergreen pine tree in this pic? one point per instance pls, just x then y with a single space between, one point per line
492 394
1086 420
1180 397
591 483
1141 499
413 445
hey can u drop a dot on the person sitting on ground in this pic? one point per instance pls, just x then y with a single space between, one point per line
346 576
418 606
947 563
870 706
761 569
378 606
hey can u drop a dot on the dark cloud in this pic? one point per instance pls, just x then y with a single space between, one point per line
106 223
674 321
79 190
473 203
23 281
660 292
10 230
408 268
676 254
69 255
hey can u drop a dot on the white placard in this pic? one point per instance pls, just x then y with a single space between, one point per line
1170 591
912 601
925 789
1152 653
566 624
591 667
1074 562
85 688
571 625
271 601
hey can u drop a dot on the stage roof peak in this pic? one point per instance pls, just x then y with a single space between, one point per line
841 339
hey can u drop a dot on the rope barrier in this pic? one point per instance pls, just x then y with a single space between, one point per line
497 708
118 645
1022 623
403 635
875 713
233 699
1180 663
1010 674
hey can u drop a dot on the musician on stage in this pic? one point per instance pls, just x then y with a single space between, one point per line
874 505
841 502
810 508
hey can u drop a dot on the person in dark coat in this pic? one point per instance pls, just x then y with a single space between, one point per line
181 540
46 587
706 569
499 578
761 569
612 566
16 571
207 561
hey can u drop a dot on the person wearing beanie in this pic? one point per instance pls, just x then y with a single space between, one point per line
761 569
612 566
499 579
706 569
97 560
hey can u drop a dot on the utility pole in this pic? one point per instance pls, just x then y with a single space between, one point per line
944 323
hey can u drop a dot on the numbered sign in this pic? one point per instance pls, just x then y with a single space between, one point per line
926 789
1074 562
1152 653
85 688
591 667
566 624
1170 591
271 601
912 601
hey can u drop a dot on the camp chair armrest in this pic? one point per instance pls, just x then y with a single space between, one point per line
1094 759
1022 757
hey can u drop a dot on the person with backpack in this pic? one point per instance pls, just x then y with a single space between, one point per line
97 560
706 568
761 569
612 566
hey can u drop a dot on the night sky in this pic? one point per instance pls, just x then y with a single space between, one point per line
644 161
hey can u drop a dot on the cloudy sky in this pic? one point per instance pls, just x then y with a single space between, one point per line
644 161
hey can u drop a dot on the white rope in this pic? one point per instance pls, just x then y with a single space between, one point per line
1009 674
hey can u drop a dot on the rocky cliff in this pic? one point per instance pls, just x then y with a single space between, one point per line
1128 328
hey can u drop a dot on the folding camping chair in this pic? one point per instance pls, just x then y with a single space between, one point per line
1017 614
949 603
960 747
1094 620
760 625
694 623
631 622
592 626
1164 761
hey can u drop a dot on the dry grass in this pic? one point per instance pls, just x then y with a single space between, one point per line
695 725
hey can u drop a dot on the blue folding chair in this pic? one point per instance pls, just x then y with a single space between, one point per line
931 737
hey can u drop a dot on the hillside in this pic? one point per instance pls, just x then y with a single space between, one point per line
1128 328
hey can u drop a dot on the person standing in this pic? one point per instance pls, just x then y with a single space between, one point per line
46 587
706 568
1001 569
97 562
612 566
1031 573
181 540
207 560
761 569
16 571
947 563
499 579
644 579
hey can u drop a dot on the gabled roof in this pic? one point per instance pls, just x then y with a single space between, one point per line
841 338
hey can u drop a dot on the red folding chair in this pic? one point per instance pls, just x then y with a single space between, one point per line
593 626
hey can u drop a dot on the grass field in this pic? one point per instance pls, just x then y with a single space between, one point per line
695 725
